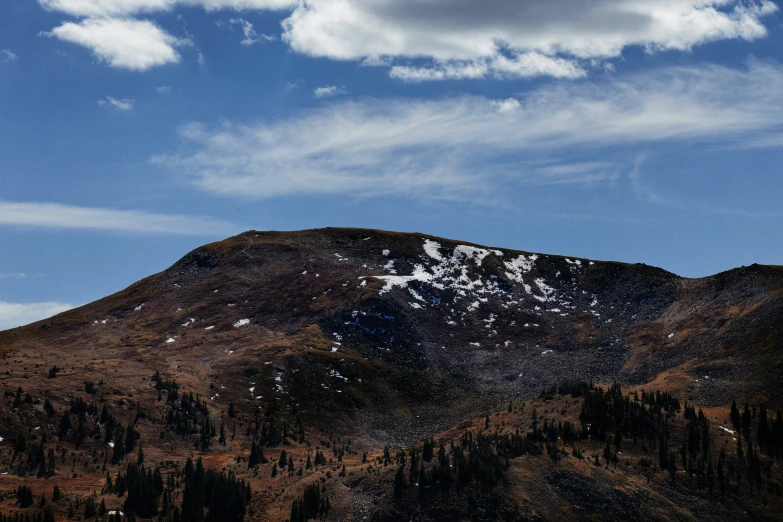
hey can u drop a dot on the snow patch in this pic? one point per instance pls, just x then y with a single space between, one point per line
545 289
432 249
474 253
521 265
241 322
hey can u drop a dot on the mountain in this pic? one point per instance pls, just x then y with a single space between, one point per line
346 342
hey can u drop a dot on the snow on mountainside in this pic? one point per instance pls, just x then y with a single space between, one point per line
368 321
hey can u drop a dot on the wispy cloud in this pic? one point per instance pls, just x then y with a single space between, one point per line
19 275
20 314
328 91
467 145
124 104
59 216
522 65
251 35
120 8
641 189
7 55
646 192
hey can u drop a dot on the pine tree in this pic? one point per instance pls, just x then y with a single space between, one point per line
746 423
427 452
89 508
24 496
399 483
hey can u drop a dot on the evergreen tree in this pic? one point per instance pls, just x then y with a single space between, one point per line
24 496
140 458
89 508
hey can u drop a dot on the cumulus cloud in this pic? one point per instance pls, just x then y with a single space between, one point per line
460 39
465 29
7 55
20 314
56 215
124 104
327 91
123 43
455 146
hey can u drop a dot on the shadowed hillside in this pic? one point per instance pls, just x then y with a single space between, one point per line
345 341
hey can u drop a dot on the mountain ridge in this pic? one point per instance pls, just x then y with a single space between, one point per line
386 339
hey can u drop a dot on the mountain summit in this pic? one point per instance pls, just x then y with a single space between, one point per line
341 343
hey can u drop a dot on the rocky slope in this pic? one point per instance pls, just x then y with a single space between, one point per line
390 338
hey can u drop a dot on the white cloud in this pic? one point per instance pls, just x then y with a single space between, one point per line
251 35
122 42
20 314
472 39
114 8
523 65
124 104
7 55
447 30
767 141
58 216
451 147
163 89
507 105
327 91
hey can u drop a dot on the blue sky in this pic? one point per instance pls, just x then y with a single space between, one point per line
132 131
